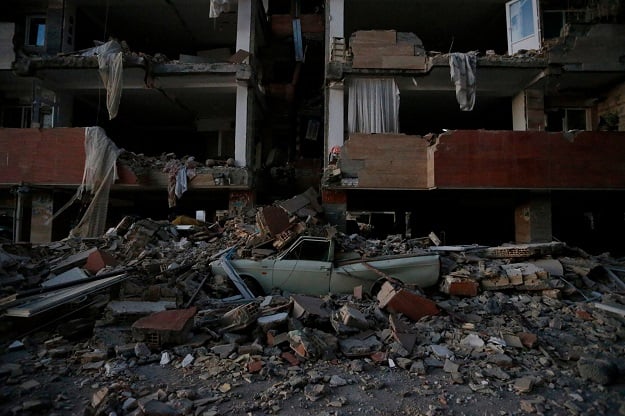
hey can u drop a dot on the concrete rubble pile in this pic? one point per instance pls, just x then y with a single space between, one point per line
515 319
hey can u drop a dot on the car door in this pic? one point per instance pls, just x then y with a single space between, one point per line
304 268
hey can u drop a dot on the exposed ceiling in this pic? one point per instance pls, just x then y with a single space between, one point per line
461 25
162 26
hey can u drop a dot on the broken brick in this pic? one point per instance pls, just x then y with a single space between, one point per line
255 366
528 339
274 339
403 301
290 358
496 283
378 357
273 220
98 260
584 315
163 328
455 286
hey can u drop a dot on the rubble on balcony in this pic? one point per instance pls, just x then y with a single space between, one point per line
507 321
162 171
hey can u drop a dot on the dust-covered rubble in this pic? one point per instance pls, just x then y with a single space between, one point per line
539 331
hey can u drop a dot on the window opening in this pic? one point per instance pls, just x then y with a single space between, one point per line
36 31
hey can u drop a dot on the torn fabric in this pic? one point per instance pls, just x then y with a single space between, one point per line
373 105
181 182
463 69
110 63
99 174
178 176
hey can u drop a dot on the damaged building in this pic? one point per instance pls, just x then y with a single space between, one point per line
483 122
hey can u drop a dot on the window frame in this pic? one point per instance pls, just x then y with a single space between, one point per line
30 20
531 41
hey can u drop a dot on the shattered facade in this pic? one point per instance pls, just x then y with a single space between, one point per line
510 112
330 207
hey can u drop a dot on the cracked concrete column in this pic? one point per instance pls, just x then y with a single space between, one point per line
243 131
335 106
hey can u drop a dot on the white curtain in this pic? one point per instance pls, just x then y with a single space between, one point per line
98 176
111 65
373 105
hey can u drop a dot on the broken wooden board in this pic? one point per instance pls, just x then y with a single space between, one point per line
41 303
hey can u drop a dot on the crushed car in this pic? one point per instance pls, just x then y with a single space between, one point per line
310 266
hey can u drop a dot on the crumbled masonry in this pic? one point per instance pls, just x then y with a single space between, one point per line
507 321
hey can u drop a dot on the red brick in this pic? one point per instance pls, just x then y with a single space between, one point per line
333 197
378 357
98 260
408 303
528 339
517 159
255 366
42 156
586 316
174 320
464 288
274 338
290 358
300 350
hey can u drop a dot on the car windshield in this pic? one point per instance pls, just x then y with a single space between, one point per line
310 250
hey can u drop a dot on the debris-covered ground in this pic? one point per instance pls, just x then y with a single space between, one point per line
135 323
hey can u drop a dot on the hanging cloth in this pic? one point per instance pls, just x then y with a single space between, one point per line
110 66
462 69
99 175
